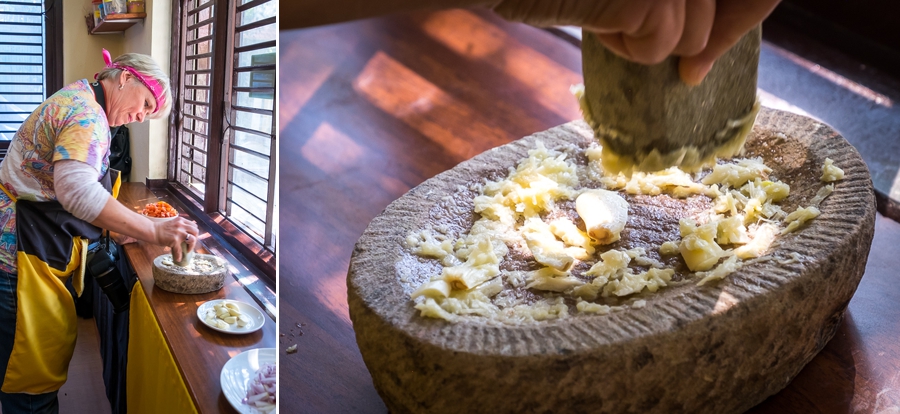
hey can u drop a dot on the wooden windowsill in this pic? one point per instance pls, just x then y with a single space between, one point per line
199 352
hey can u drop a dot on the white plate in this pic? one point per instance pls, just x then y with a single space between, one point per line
257 319
236 374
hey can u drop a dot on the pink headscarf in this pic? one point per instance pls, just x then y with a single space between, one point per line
155 87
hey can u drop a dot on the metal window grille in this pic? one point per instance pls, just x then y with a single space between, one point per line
22 65
225 145
250 170
198 67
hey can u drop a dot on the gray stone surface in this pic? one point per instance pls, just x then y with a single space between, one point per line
189 280
680 353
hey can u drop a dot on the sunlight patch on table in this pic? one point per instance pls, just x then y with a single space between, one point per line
472 37
422 105
319 150
392 185
331 291
465 33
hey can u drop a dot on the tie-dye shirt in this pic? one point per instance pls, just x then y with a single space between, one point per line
70 125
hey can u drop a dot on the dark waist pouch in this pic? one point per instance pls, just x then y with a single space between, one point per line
102 266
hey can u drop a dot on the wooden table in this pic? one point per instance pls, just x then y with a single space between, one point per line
199 352
370 109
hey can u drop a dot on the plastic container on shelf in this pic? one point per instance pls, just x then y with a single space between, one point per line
114 7
96 4
136 6
121 6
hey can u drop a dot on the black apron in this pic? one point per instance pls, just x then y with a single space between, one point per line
52 245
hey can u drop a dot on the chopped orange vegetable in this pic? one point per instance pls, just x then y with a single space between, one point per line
159 209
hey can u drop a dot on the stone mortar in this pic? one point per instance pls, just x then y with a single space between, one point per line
677 354
187 280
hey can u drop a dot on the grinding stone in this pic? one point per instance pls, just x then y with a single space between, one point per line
188 280
649 117
719 348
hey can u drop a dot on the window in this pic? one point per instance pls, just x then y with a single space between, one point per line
222 152
27 72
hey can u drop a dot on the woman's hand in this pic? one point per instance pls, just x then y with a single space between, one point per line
118 218
173 232
648 31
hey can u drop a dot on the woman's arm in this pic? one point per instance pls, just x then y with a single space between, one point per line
79 192
118 218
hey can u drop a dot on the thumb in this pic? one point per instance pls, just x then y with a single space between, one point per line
734 19
693 70
176 251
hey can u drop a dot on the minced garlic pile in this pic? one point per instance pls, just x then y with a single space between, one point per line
198 265
745 216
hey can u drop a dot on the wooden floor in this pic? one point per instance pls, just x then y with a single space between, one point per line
84 391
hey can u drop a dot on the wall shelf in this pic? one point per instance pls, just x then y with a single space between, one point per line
117 23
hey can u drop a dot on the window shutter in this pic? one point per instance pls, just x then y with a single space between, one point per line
225 146
198 65
250 175
21 63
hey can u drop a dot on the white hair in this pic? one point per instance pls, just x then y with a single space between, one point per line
147 67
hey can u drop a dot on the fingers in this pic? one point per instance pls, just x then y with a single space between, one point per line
191 242
698 22
647 35
733 19
185 246
658 36
175 232
176 252
693 71
190 235
648 31
190 228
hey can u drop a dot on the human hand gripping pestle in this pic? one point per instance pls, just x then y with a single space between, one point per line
648 119
187 256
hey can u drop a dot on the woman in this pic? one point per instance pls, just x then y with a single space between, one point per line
52 196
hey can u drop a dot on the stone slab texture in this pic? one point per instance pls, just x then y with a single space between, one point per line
719 348
177 279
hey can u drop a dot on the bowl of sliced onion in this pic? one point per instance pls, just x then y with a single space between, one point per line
261 390
249 381
159 211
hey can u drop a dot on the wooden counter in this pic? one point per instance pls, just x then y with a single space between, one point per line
199 352
372 108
